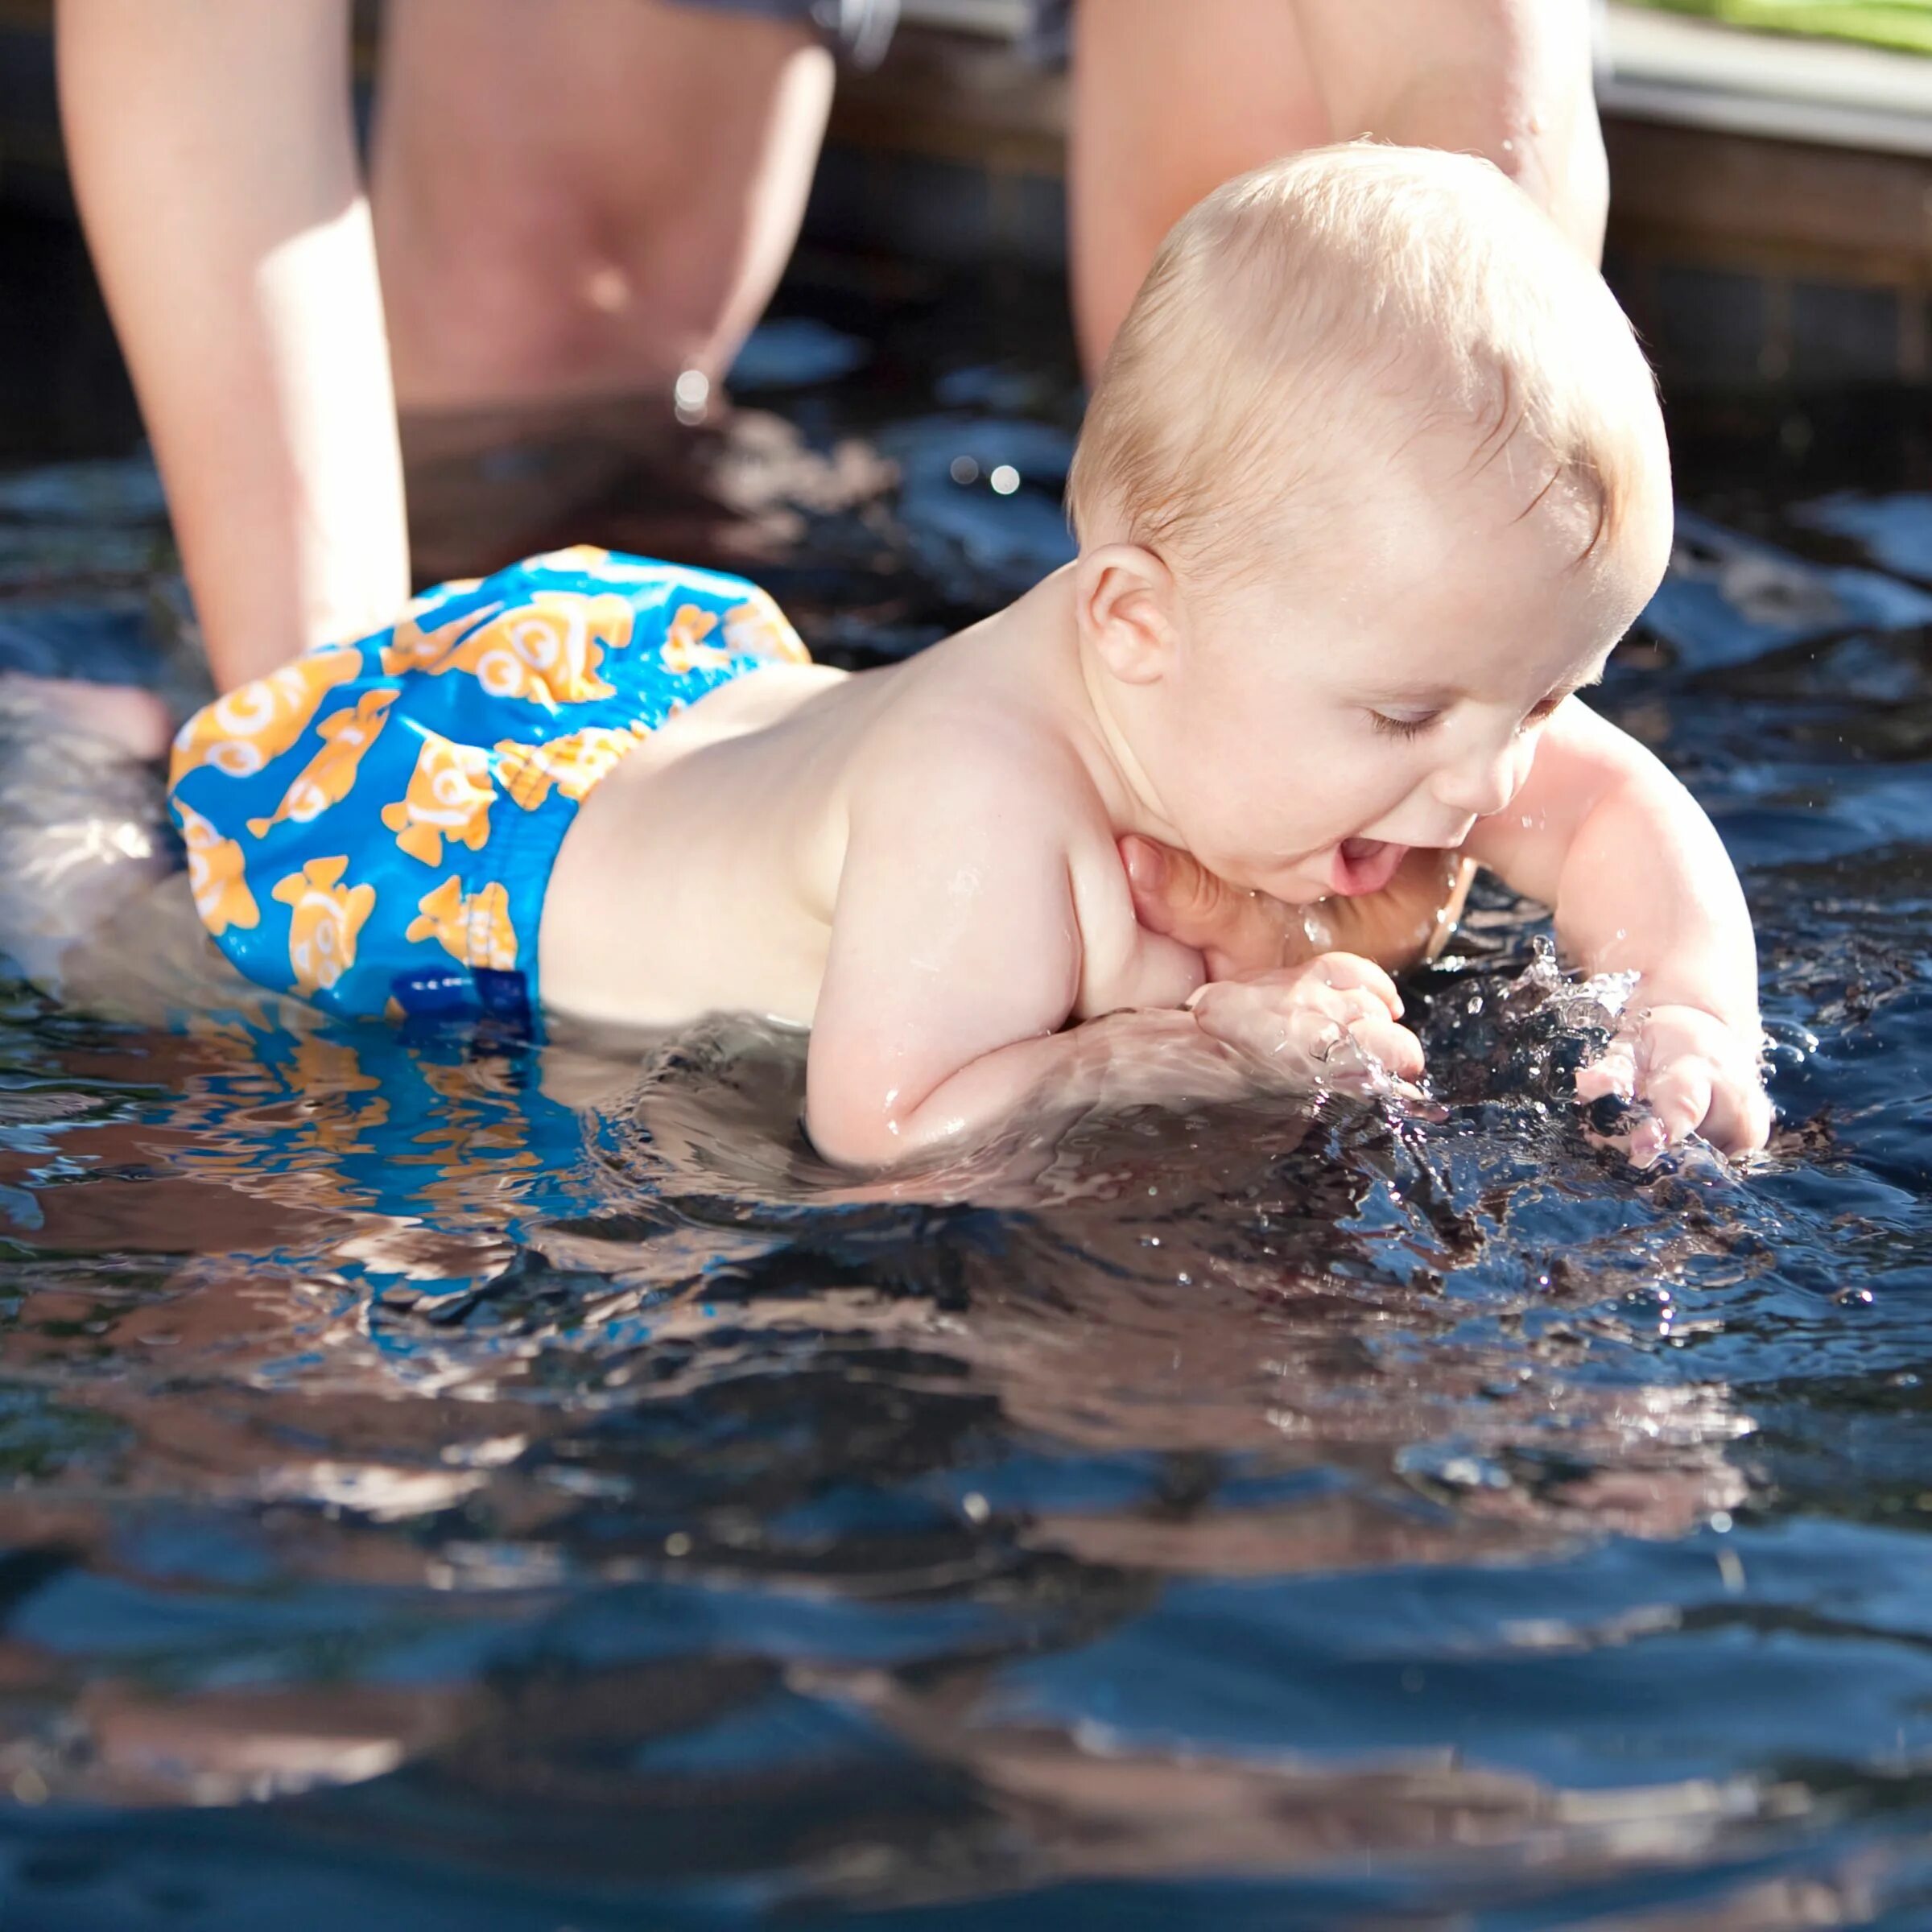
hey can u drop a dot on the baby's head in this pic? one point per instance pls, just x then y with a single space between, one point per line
1373 477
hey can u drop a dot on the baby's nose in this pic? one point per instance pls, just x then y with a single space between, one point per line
1482 782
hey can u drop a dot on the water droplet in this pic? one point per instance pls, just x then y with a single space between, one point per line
975 1507
691 394
963 471
1004 479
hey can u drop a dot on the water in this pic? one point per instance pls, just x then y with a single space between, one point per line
608 1516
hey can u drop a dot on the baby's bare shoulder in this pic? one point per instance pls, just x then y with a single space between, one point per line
973 810
969 753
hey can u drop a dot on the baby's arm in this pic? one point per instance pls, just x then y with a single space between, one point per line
1639 882
956 955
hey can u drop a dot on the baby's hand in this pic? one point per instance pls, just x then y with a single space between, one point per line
1696 1072
1331 1022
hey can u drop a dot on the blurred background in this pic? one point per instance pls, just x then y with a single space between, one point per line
1771 214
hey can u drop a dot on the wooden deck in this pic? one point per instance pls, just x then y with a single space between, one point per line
1771 218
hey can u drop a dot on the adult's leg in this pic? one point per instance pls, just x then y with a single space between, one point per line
1168 101
1512 79
585 196
214 161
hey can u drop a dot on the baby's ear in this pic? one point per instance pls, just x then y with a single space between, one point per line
1123 601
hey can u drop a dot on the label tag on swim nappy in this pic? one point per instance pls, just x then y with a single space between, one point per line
504 995
435 993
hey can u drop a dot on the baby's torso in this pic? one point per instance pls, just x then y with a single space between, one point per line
701 875
704 873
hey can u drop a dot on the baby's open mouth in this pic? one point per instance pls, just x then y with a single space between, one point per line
1364 866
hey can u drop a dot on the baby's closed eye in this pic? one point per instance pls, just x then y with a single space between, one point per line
1400 724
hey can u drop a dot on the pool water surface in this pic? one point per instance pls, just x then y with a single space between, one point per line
605 1516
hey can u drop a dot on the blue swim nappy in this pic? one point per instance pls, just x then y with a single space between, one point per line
373 827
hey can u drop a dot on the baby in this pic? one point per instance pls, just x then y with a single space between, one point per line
1371 483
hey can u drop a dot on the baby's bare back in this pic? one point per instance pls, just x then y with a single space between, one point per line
700 875
705 873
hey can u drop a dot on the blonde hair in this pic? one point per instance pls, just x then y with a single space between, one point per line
1352 296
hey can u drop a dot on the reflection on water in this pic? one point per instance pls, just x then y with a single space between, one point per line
450 1483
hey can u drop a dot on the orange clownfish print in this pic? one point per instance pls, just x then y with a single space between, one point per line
449 797
474 931
216 876
413 647
684 649
546 649
573 764
241 733
758 629
577 557
328 915
330 775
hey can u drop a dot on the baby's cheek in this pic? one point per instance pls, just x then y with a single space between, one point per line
1526 761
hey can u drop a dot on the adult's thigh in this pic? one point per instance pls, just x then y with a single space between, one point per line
582 195
1510 79
1168 101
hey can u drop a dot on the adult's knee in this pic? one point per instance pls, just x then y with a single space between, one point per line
488 310
530 252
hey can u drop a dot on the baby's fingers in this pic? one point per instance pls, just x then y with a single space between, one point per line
1680 1097
1395 1047
1347 1054
1347 971
1695 1095
1738 1120
1350 1005
1613 1073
